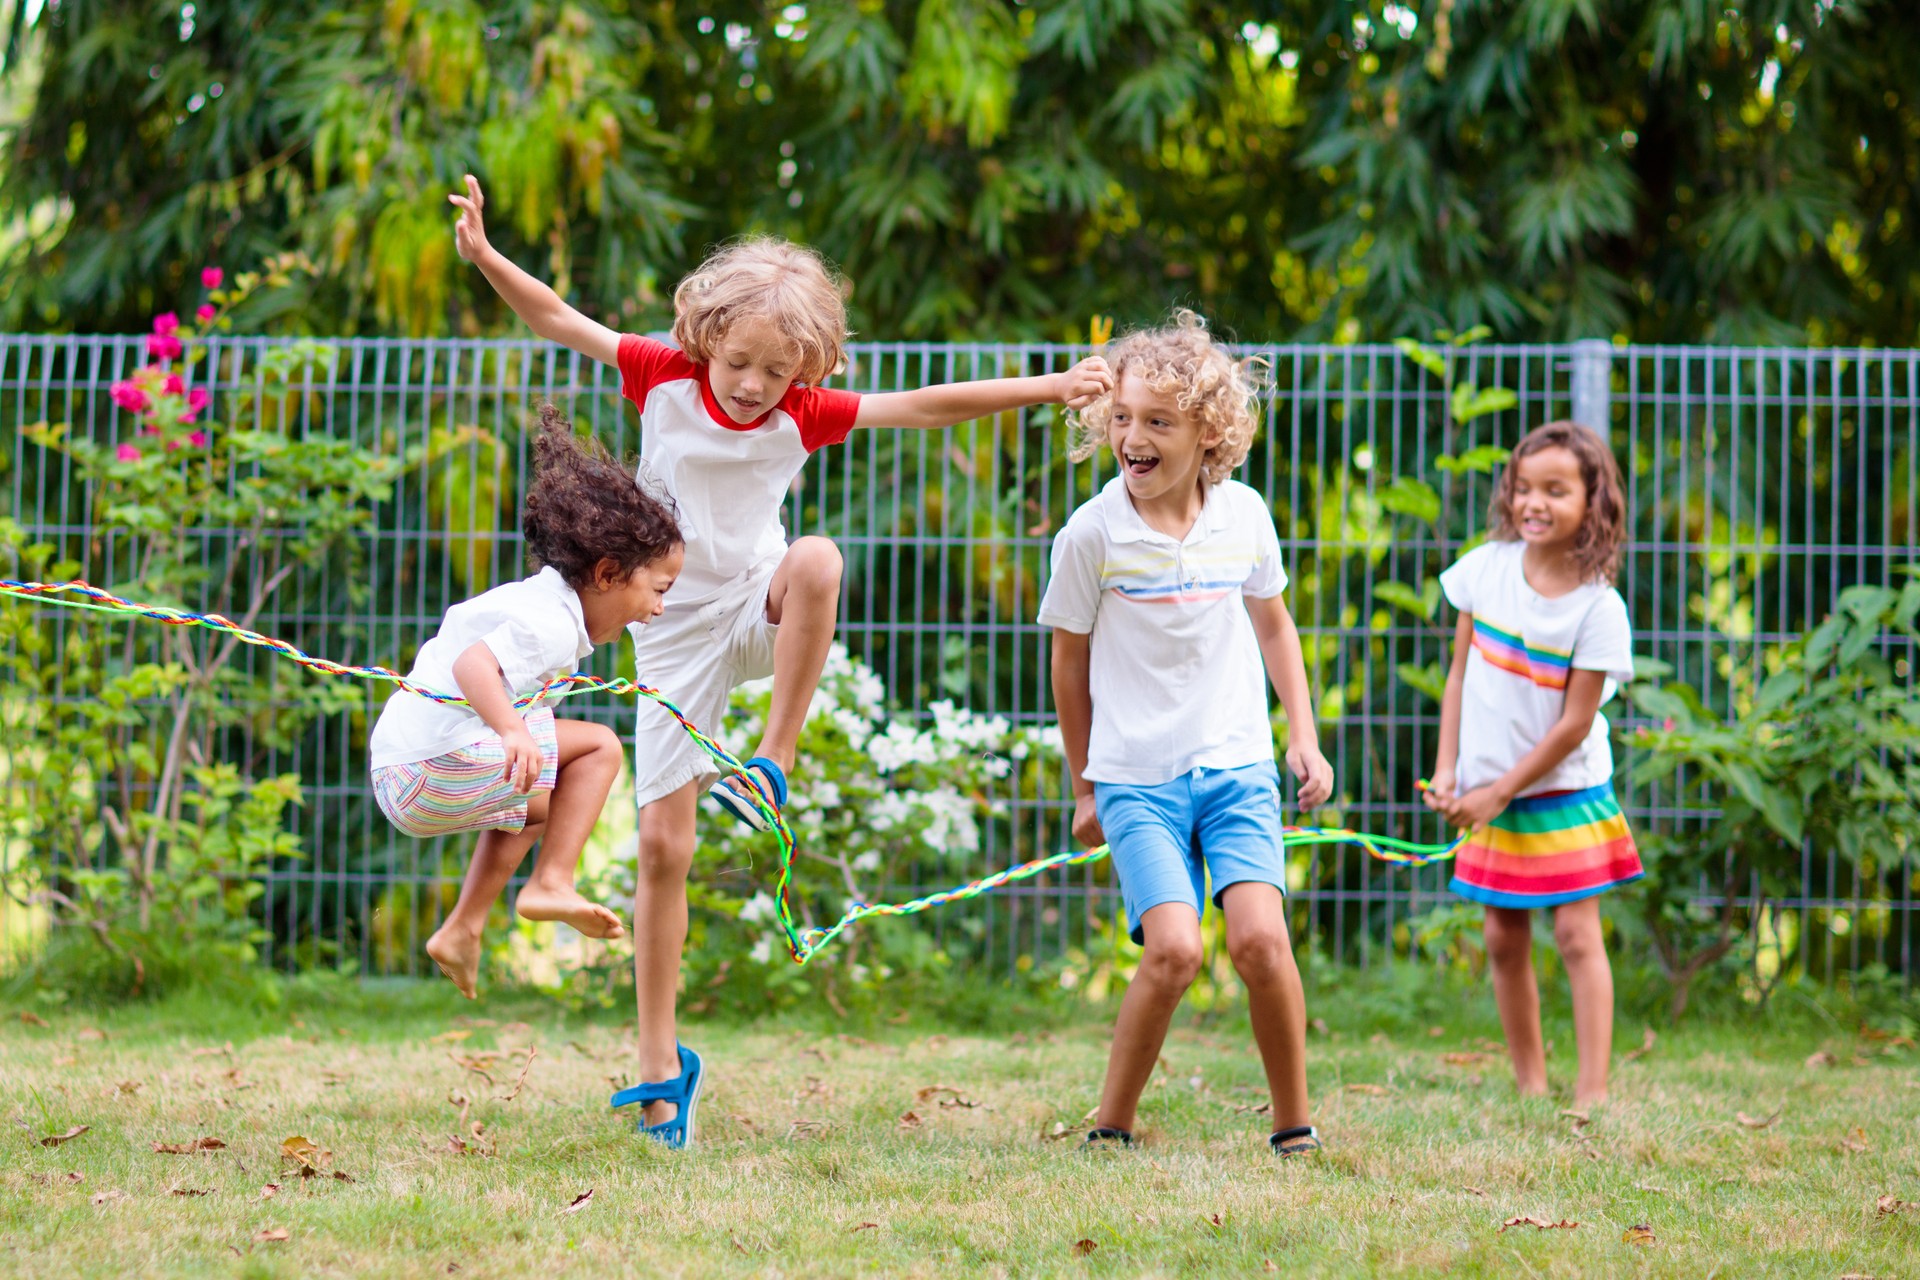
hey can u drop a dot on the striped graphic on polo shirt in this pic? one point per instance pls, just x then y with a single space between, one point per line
1152 576
1511 653
1548 849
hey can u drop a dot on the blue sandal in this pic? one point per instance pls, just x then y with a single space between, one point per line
683 1091
742 807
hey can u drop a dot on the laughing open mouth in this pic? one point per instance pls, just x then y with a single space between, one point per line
1139 464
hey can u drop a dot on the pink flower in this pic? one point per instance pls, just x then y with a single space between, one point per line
172 445
1667 724
198 439
175 385
205 314
196 401
211 277
151 429
163 346
129 397
165 323
127 453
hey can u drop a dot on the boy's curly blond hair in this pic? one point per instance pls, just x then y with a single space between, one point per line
1181 360
786 284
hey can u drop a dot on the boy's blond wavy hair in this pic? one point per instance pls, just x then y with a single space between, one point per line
789 285
1181 360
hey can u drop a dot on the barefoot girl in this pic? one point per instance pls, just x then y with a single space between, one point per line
1165 603
728 421
608 551
1524 762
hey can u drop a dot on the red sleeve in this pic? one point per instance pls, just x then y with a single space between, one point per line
646 363
824 415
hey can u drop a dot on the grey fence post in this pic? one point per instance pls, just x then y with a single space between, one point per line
1592 383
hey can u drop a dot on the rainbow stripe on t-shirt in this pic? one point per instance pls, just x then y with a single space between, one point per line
1510 652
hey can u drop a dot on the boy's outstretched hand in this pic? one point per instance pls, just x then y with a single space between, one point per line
1086 382
470 232
1314 773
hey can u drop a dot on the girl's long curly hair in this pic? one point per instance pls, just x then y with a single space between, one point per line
586 506
1603 534
1182 360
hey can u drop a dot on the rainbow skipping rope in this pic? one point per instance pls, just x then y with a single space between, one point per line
802 943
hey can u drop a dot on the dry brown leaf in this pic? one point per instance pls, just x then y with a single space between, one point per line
226 1048
1436 1032
192 1191
911 1120
1266 1264
1855 1142
73 1177
107 1197
1646 1047
1538 1223
1822 1059
958 1100
55 1139
130 1086
1318 1026
450 1037
1640 1233
1058 1132
1651 1190
863 1226
1888 1205
65 1060
309 1153
579 1202
1083 1246
1753 1122
521 1083
91 1033
1461 1059
1473 1191
1581 1119
189 1148
32 1019
269 1191
272 1235
1213 1220
1371 1090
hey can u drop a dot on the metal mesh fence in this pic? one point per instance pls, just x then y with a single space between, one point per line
1761 484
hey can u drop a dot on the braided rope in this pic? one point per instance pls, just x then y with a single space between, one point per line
802 943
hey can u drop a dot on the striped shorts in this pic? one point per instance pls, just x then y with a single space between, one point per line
466 789
1548 849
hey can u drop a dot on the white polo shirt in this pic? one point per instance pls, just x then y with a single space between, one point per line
728 480
536 631
1176 675
1524 646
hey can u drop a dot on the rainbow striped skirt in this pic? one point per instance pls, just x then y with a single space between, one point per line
1556 847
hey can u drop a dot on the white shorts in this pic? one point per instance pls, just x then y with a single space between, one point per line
695 656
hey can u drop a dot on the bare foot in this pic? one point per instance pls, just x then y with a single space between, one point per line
568 907
458 956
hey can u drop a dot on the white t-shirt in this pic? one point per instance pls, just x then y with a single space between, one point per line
536 631
727 480
1524 644
1175 668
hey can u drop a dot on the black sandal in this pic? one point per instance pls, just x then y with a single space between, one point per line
1099 1140
1298 1141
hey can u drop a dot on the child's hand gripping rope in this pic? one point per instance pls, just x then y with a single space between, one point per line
802 943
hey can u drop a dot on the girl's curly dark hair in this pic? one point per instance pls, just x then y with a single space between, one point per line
585 506
1603 534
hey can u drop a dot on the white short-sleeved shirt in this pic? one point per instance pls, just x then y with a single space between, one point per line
1176 675
727 480
1524 644
536 631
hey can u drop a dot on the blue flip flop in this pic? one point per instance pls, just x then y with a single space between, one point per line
683 1091
742 807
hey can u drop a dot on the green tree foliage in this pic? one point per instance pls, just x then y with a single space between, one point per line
1667 169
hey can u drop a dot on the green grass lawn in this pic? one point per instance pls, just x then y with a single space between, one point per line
917 1151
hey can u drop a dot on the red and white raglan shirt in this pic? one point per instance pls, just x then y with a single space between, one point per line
727 479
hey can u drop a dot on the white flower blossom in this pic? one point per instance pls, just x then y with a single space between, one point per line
758 909
762 952
867 861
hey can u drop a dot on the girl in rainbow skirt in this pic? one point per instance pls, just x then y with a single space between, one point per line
1524 763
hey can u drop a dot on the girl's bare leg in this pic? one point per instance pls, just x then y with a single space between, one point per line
1509 935
1583 951
590 756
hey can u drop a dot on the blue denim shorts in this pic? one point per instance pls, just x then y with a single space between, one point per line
1168 840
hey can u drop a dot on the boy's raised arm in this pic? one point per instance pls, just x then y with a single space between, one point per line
931 408
536 303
